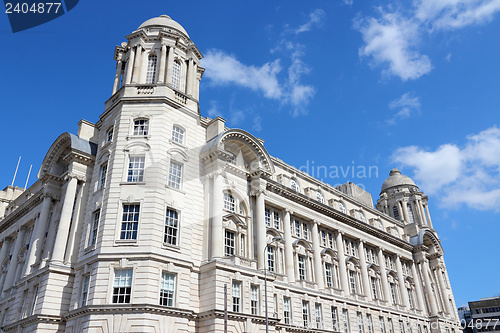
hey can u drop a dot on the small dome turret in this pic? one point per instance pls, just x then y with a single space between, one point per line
163 21
396 179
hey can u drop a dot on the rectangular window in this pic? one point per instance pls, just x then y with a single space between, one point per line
236 296
302 267
401 327
410 298
95 226
286 310
171 227
102 175
319 315
323 238
297 228
359 318
242 245
270 259
135 169
34 301
176 75
141 127
276 220
381 324
369 323
408 327
268 217
390 326
374 287
328 275
175 175
109 135
335 319
254 299
352 281
178 134
130 221
167 290
122 286
305 313
229 243
345 320
229 203
393 293
85 290
151 71
305 230
331 244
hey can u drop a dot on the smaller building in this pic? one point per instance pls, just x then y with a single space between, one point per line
465 319
485 314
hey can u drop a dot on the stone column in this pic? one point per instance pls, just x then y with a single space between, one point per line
163 60
290 272
402 287
65 221
404 207
189 83
143 68
318 265
9 279
118 73
216 212
418 288
3 251
170 64
422 213
342 266
428 288
137 64
429 221
130 65
400 210
444 292
260 224
38 234
383 273
364 271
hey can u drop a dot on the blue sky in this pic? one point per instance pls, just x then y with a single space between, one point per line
338 83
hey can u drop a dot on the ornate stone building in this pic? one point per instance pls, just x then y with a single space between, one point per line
156 219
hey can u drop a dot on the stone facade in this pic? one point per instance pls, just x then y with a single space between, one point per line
156 219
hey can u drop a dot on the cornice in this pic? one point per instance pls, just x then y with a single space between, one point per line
37 318
304 200
22 210
129 308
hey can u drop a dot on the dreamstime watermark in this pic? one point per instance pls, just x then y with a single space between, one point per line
352 172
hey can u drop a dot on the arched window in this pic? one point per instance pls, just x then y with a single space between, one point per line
395 212
229 202
410 213
141 126
151 73
176 75
178 134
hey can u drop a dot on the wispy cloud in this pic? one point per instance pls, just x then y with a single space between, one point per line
272 79
404 107
214 111
392 38
457 175
316 18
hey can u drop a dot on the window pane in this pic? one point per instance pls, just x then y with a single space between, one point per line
167 291
130 222
175 175
171 227
136 169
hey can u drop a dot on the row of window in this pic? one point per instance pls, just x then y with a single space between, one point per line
317 321
122 288
130 225
152 70
141 127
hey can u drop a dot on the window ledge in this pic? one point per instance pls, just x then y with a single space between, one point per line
137 137
180 145
175 248
130 242
175 189
133 183
89 248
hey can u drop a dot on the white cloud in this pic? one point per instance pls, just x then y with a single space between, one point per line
392 40
257 123
405 107
467 175
224 69
348 2
213 111
316 18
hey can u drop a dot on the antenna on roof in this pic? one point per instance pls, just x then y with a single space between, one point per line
28 178
15 173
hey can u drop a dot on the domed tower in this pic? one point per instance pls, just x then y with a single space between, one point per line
401 199
159 60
